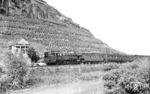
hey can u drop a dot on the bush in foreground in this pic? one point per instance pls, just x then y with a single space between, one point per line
110 66
129 79
16 76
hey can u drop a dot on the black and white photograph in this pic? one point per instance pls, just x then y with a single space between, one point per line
74 46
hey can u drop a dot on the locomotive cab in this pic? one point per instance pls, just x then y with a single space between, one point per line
56 53
49 59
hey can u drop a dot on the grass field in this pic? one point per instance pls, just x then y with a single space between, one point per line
66 74
51 75
87 78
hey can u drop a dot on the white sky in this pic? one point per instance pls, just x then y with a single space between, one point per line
122 24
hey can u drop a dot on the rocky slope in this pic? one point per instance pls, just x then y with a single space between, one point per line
45 28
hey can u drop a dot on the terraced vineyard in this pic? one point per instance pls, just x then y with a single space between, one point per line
57 32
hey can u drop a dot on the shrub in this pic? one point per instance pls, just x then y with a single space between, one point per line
130 78
110 66
115 91
33 55
110 84
133 86
113 76
127 81
16 75
132 66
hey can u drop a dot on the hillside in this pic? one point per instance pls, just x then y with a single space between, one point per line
45 28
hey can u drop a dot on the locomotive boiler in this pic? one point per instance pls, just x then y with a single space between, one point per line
57 58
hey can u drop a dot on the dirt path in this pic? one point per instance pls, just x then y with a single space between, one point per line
81 87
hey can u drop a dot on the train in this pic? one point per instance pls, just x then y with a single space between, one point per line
58 58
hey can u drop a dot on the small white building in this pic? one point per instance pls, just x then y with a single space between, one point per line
20 47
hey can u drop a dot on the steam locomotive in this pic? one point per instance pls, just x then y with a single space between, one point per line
57 58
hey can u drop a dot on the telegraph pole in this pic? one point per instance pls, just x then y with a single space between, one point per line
106 57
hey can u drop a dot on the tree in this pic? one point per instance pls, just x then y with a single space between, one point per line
16 74
33 54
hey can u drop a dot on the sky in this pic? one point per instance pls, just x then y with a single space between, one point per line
122 24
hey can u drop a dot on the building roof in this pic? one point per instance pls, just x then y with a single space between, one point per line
19 42
23 42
